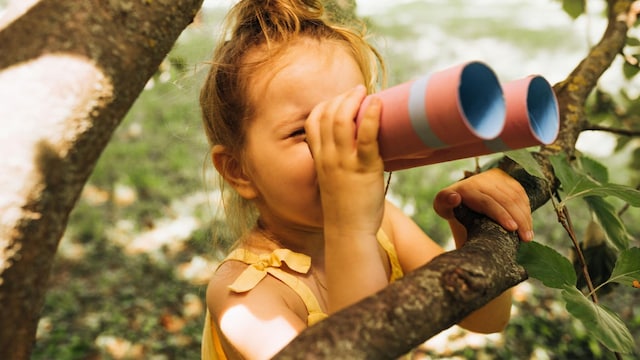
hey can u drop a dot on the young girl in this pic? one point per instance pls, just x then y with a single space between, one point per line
279 106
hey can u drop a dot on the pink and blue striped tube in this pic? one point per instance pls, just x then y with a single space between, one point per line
532 119
448 108
463 112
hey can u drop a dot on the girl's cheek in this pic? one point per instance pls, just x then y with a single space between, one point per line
305 152
300 162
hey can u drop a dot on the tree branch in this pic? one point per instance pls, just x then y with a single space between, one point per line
617 131
572 93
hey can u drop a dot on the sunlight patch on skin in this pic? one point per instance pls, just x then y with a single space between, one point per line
234 320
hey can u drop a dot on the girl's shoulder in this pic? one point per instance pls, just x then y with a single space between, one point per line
218 288
267 294
267 313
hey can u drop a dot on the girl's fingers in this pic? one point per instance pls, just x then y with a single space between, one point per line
516 203
444 203
312 131
331 125
367 138
513 215
494 194
344 115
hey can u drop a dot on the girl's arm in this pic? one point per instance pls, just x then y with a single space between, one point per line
493 193
501 198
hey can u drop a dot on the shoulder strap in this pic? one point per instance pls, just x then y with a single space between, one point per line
387 245
263 264
211 348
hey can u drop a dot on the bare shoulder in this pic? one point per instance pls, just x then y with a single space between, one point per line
269 291
269 313
218 292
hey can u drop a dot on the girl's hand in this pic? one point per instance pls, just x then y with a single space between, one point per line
350 177
348 165
494 194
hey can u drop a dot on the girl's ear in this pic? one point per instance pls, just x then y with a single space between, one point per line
232 171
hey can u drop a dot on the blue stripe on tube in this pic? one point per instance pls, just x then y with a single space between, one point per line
418 114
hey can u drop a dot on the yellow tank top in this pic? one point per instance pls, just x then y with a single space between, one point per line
261 265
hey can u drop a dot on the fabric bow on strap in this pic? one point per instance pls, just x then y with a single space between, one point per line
263 264
260 265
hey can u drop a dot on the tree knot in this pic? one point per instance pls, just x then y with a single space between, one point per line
464 284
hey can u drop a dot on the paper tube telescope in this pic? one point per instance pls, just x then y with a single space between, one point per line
463 112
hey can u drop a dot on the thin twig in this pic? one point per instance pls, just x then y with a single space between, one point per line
565 220
617 131
386 187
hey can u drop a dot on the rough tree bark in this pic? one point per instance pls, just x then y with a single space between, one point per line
69 71
441 293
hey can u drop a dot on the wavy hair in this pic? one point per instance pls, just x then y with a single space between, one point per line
268 26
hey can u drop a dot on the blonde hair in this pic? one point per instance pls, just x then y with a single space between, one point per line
267 25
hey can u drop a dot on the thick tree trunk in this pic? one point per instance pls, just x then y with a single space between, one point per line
69 72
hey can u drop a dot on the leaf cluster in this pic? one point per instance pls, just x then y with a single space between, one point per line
588 181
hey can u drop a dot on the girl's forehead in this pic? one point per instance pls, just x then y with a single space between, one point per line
293 59
304 75
274 57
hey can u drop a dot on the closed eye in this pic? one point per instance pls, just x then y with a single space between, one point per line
298 133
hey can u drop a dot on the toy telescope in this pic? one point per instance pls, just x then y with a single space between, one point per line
463 112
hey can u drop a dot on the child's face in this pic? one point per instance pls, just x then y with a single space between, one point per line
277 157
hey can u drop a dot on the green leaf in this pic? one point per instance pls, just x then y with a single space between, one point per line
526 160
627 267
599 257
602 323
623 192
546 264
577 184
610 221
594 169
564 171
574 8
632 41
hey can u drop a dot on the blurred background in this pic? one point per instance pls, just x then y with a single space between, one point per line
131 271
